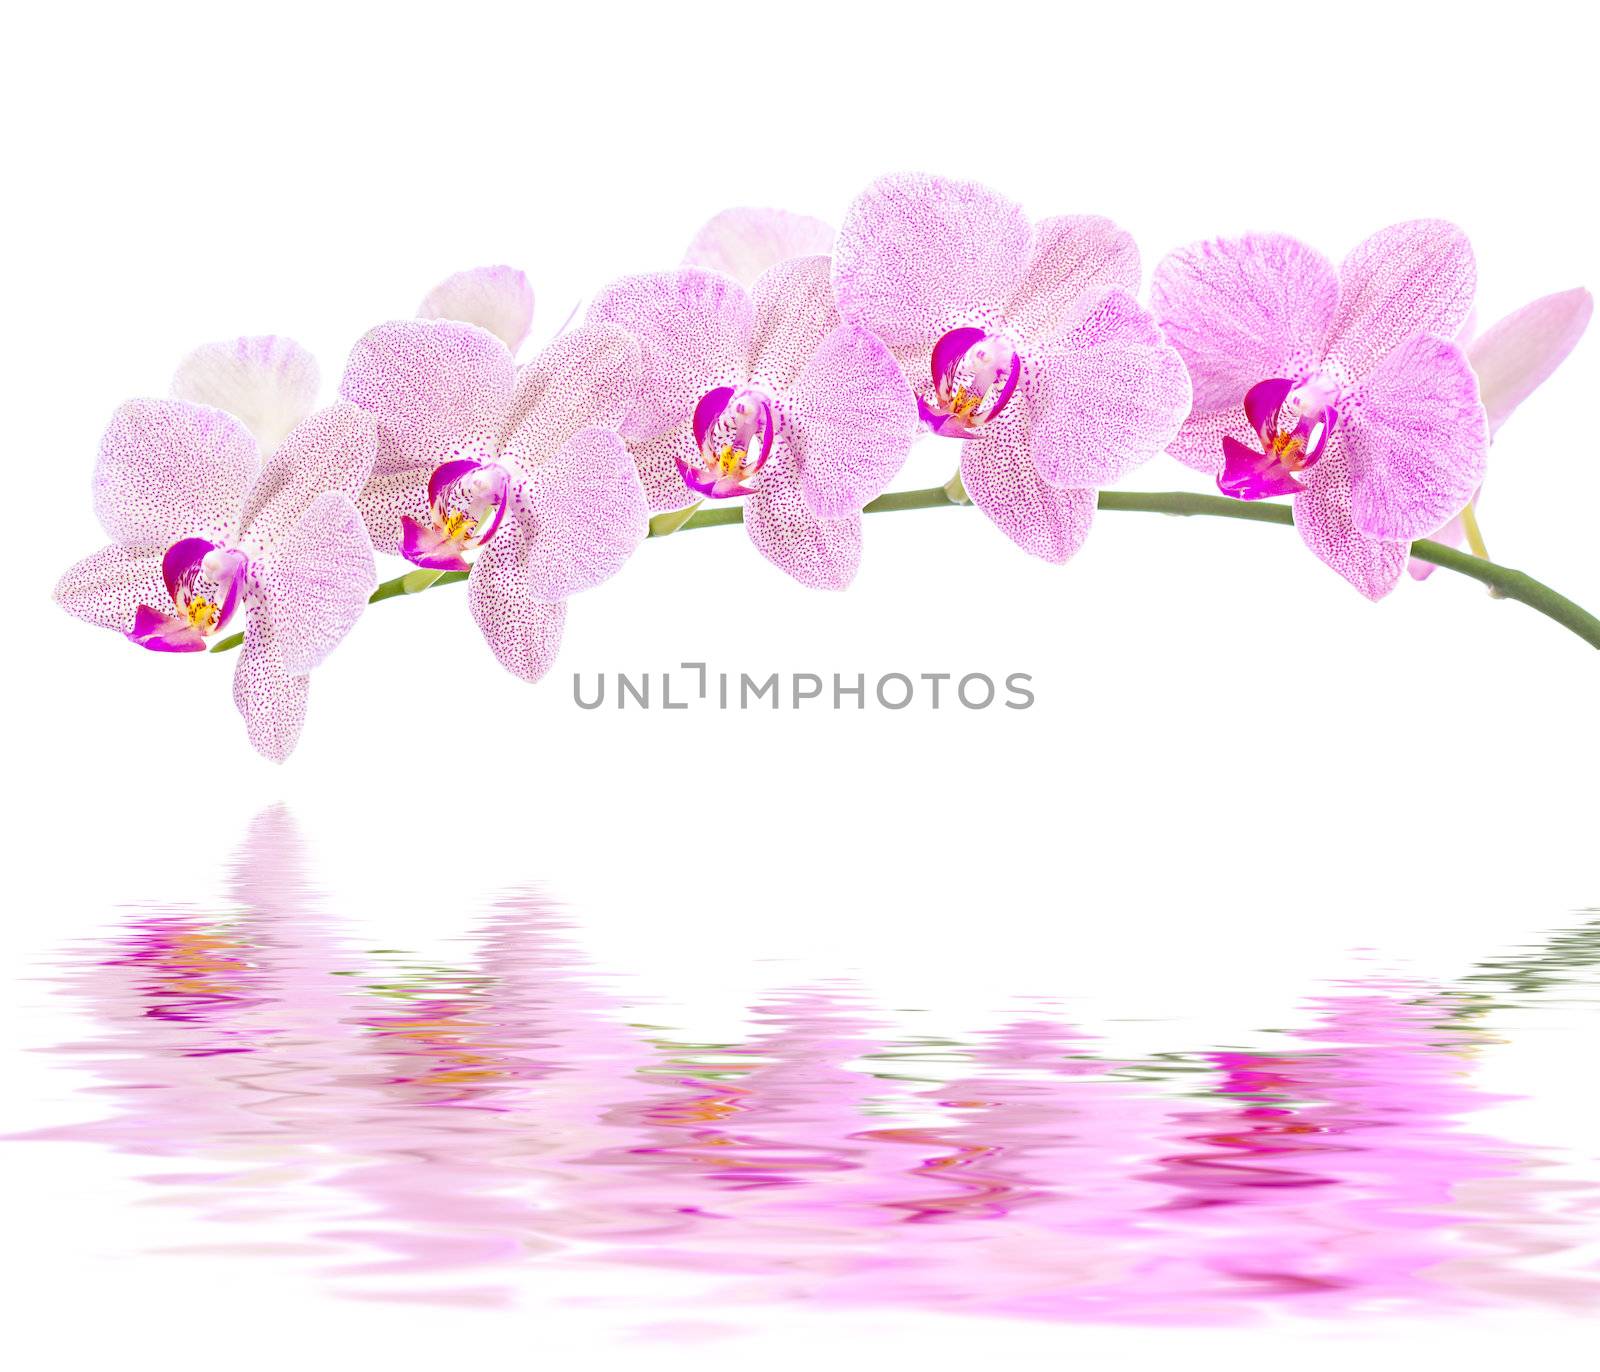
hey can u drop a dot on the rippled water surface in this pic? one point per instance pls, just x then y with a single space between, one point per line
451 1128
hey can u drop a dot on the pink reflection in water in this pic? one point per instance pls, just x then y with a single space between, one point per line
456 1125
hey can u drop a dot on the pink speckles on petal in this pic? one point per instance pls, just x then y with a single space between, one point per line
523 632
853 420
316 581
660 462
589 376
498 299
1072 256
1322 516
694 329
917 255
169 469
268 383
332 450
821 553
108 587
437 388
1517 355
585 514
1000 476
1417 447
745 242
1241 309
1410 278
794 312
271 699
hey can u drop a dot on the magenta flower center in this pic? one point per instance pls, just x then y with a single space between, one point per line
466 503
734 431
1294 423
204 582
974 377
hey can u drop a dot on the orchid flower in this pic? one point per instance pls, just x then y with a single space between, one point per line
744 242
522 466
201 531
764 394
1512 360
1023 340
1341 388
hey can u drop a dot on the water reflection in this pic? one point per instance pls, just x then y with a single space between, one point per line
448 1128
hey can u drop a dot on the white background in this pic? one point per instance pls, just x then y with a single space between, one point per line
1237 769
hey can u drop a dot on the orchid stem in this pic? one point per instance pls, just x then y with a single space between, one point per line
1505 582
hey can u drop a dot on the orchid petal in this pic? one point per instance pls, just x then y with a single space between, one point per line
853 420
168 470
1073 255
1099 411
820 553
387 501
585 514
589 376
794 312
1410 278
498 299
1516 356
317 580
438 389
693 329
1418 444
1239 310
1322 515
1000 476
917 255
744 242
660 462
268 383
271 698
333 450
522 631
108 587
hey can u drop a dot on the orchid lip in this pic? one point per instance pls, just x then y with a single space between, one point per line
204 582
975 374
734 429
1286 451
466 505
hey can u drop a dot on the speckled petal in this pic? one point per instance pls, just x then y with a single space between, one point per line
587 377
1000 475
1102 404
169 469
316 580
269 383
1419 442
852 421
917 255
821 553
1411 278
1240 310
522 631
657 462
694 330
270 697
387 500
744 242
108 587
1516 356
438 390
1072 255
1322 515
333 450
794 312
585 514
498 299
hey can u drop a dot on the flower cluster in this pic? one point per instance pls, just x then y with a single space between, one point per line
792 367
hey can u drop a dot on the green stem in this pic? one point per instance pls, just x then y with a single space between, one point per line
1503 581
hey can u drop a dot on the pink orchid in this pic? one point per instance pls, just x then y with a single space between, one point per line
1023 340
1512 360
744 242
522 465
764 394
498 299
200 529
1341 388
